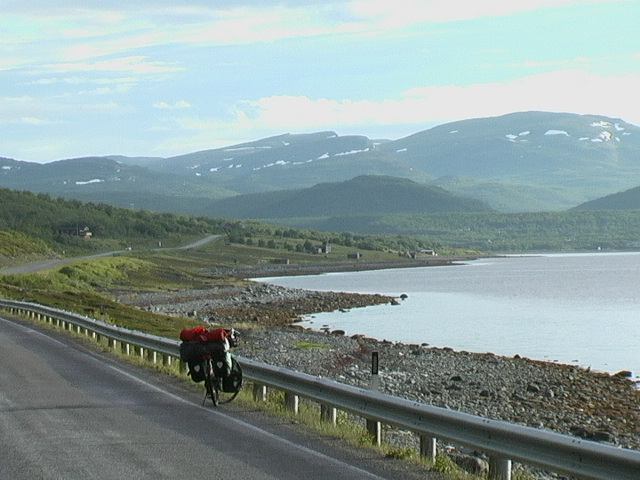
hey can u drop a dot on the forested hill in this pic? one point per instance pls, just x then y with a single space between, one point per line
51 219
362 195
627 200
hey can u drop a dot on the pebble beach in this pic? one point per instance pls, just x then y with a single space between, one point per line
562 398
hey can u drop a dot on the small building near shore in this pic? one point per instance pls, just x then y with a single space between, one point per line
422 253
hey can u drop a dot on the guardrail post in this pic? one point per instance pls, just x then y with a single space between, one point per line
141 350
428 447
499 468
375 430
127 349
328 414
291 402
154 357
259 392
166 360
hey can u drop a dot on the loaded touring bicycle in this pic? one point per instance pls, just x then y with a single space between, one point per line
207 353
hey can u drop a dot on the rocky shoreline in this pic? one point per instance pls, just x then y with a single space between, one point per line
562 398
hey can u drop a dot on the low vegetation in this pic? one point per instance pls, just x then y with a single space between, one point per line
16 245
60 224
500 232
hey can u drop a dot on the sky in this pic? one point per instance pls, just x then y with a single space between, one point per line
162 78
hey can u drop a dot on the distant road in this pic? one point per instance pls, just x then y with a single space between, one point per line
198 244
68 412
48 264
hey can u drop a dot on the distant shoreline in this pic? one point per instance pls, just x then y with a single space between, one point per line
275 270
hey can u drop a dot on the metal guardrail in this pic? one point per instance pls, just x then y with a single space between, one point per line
502 441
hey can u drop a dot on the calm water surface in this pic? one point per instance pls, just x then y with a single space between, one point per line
579 309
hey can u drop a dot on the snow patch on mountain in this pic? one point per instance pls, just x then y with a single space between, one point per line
618 127
454 131
6 167
605 136
401 150
322 157
524 134
601 124
350 152
214 169
556 132
626 133
94 180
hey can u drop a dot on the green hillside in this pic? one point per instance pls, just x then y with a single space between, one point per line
627 200
499 232
56 222
364 194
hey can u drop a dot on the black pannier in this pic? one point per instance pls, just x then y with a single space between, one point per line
232 382
196 351
196 371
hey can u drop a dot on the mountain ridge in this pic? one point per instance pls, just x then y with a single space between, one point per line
523 161
363 194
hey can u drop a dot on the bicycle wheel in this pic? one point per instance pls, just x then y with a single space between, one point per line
210 385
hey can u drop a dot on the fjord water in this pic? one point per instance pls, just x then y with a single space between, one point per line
581 309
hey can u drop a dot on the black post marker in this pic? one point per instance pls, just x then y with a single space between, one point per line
373 426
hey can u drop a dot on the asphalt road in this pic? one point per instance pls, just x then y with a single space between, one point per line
69 412
58 262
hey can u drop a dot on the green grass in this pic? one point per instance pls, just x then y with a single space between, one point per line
16 246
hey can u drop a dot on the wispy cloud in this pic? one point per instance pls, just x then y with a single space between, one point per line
91 32
568 91
179 105
402 13
29 110
139 65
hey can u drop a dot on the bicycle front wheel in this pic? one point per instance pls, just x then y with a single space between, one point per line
210 386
